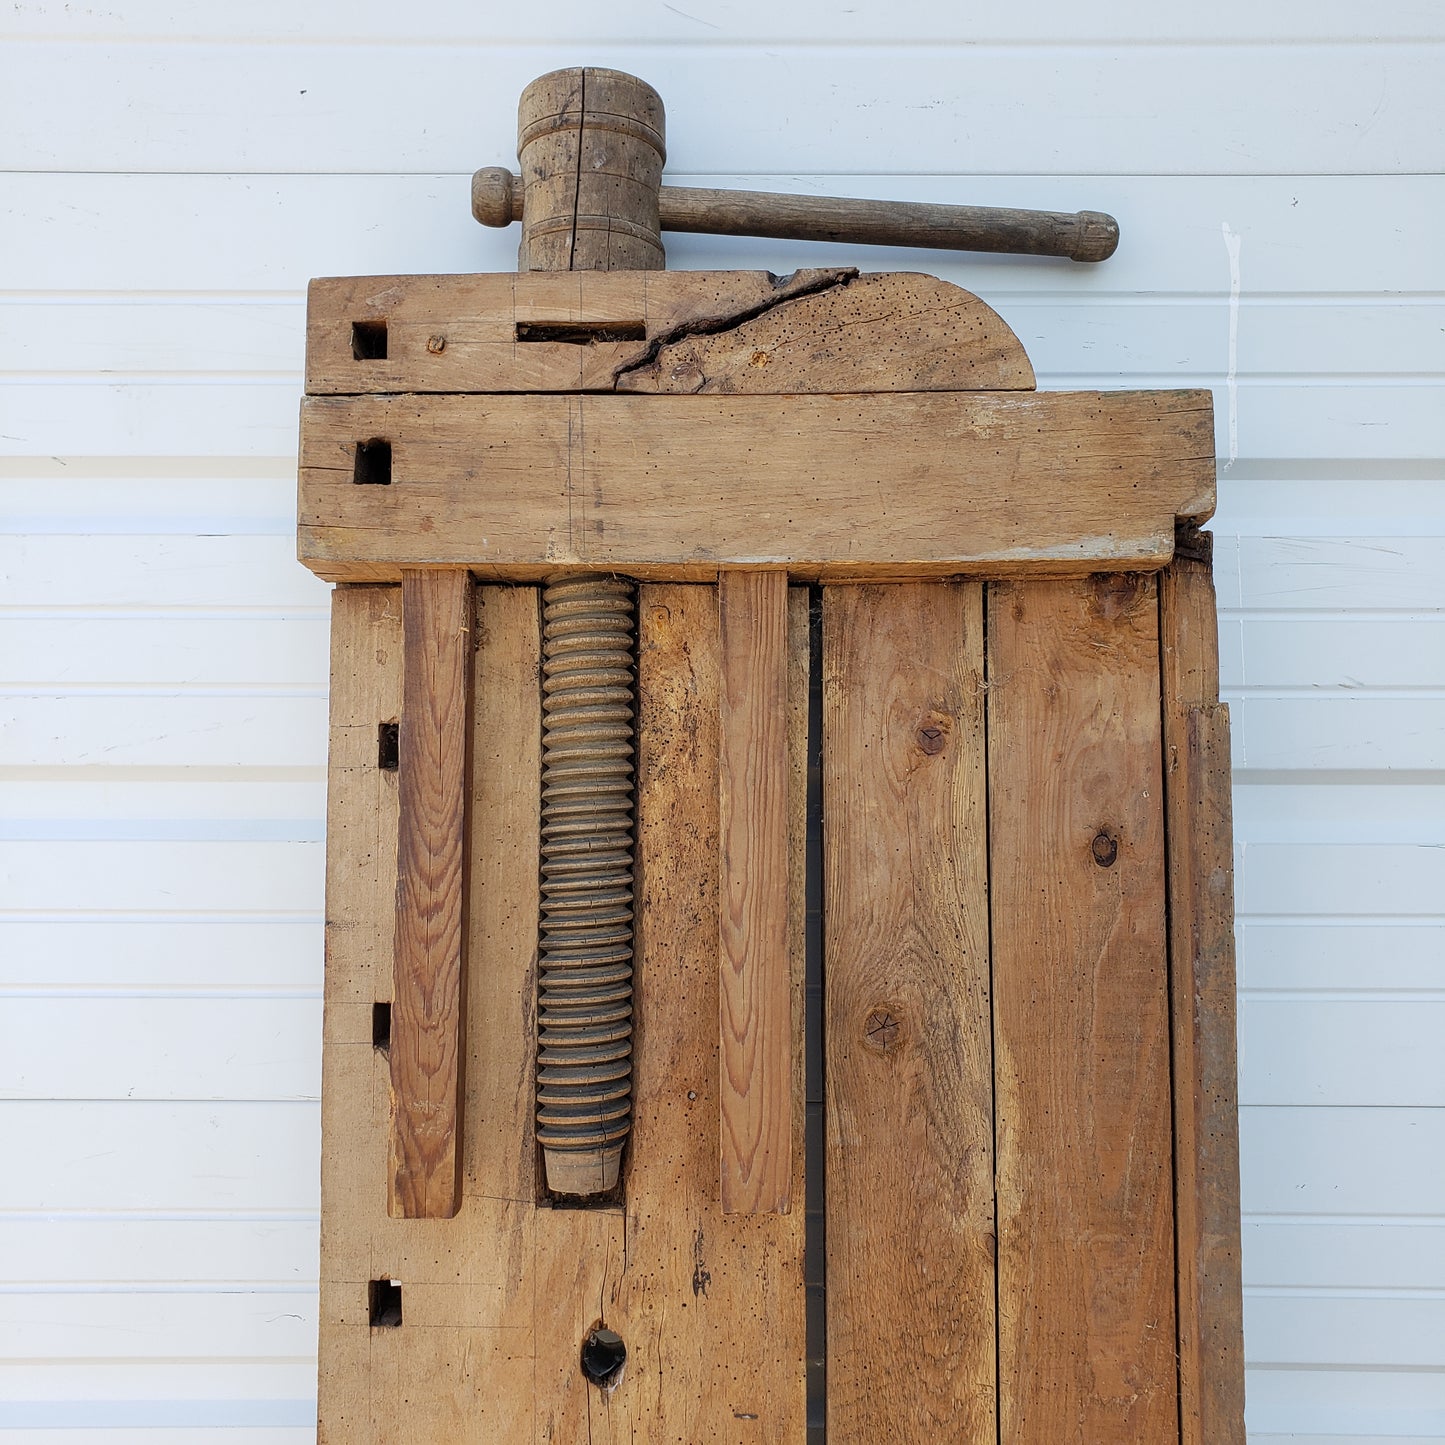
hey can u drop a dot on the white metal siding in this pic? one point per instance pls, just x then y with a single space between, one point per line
174 171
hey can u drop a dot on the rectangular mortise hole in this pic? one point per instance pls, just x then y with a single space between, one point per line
373 463
383 1300
368 340
381 1026
581 333
388 746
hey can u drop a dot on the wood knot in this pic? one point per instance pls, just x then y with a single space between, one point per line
882 1030
1105 849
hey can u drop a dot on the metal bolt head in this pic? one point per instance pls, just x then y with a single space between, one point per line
436 344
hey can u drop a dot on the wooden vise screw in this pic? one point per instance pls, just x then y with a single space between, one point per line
591 148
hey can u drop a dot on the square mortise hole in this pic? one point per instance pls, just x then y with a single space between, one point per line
381 1026
368 340
388 746
373 463
383 1299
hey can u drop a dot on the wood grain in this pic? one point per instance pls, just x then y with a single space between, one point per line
1201 961
888 485
1081 1014
429 1001
754 1017
710 1304
687 331
911 1350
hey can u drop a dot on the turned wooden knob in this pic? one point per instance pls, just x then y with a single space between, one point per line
590 143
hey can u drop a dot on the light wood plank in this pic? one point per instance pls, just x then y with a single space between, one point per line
1201 961
911 1350
1081 1013
754 1000
715 331
886 485
710 1305
429 1002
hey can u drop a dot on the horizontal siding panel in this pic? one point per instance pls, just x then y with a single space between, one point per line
1296 878
1346 1407
132 955
1356 1051
162 1159
150 1252
278 1324
1271 110
1361 1254
234 233
1365 574
176 731
1334 653
226 804
252 653
44 573
110 1383
733 21
1300 733
1184 342
1341 955
249 418
163 877
160 1048
1360 1330
1342 1161
169 1435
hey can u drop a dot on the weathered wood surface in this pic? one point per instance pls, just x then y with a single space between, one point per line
429 1000
590 144
859 486
710 1304
684 331
496 1300
1081 1013
755 986
1201 950
498 200
911 1344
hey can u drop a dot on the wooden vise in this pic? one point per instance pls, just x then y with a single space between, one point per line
625 554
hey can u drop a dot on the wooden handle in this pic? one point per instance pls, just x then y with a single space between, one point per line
1077 235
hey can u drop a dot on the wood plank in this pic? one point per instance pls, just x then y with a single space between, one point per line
710 1305
911 1347
668 331
1201 962
429 1000
754 998
1081 1013
891 485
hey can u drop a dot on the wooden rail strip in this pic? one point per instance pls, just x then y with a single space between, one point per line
1086 1287
429 1000
755 997
910 1218
1201 962
881 486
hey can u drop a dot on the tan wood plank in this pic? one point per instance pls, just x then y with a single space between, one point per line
683 331
429 1003
1201 949
1081 1013
710 1305
907 484
909 1150
754 1013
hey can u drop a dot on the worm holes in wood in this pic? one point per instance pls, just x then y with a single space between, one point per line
373 463
603 1356
383 1302
581 333
368 340
381 1026
388 746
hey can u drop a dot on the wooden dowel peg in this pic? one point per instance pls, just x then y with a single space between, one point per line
497 200
428 1007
